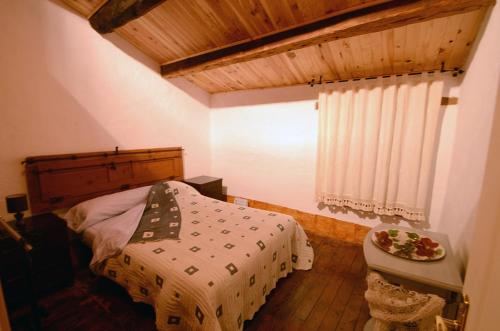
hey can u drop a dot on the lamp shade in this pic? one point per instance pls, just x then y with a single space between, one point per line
16 203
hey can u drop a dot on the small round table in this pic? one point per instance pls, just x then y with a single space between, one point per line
441 277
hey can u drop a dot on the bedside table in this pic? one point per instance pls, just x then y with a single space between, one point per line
208 186
51 262
441 277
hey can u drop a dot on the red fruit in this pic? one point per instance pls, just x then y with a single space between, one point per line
383 240
382 234
429 243
421 252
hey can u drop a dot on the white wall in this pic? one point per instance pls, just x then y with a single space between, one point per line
64 88
478 93
264 146
481 282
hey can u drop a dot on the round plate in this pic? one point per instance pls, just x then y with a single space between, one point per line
408 245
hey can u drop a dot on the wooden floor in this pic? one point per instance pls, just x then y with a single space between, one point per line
328 297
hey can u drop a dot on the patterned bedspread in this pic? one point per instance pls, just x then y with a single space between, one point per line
219 271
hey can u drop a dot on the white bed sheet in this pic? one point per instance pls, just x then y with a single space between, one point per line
89 235
110 236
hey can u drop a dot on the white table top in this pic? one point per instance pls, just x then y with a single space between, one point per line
442 274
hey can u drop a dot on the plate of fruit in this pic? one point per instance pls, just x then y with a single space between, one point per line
408 245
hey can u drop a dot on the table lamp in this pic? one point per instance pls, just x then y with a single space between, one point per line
17 203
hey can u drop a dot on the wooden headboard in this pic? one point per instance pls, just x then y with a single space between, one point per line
60 181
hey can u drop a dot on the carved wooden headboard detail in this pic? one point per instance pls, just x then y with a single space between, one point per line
60 181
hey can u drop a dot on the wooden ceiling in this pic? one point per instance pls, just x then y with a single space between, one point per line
226 45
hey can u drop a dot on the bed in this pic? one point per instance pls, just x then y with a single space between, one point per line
218 271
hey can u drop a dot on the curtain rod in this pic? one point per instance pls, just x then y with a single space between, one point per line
313 81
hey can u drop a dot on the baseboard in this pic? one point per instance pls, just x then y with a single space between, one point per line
317 224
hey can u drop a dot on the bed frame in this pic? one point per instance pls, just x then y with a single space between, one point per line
61 181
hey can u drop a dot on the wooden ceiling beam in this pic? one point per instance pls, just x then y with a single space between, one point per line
115 13
376 18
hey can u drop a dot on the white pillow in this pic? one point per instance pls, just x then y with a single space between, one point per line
113 234
90 212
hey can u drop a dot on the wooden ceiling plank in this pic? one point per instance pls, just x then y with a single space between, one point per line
177 37
204 82
295 67
296 10
464 41
227 76
231 42
361 56
310 9
330 6
250 78
302 62
272 34
216 77
336 59
376 18
147 38
241 76
370 54
430 49
365 55
85 8
221 19
259 70
265 69
175 28
245 18
185 24
412 48
326 54
280 13
388 50
351 53
346 56
184 35
295 72
448 37
201 83
326 65
287 75
319 65
137 41
116 13
271 16
382 54
356 6
399 46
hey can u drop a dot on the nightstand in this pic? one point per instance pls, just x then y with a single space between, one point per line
441 277
208 186
51 260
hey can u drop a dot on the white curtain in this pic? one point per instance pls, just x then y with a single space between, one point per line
376 144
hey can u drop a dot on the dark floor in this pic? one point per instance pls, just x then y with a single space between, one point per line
328 297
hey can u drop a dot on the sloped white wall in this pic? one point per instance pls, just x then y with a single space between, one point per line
64 88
